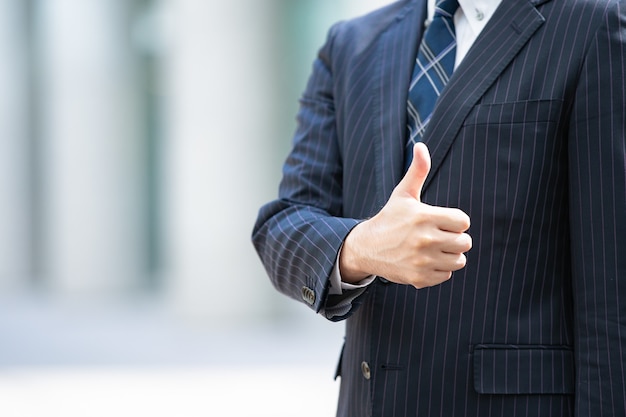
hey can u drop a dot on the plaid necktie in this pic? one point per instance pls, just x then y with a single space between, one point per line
433 67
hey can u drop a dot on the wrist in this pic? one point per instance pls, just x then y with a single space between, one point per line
351 259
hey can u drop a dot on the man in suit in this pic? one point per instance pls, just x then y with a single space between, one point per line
526 141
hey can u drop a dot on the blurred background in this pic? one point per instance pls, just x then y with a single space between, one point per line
138 138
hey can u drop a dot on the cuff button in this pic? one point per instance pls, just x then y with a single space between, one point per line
365 368
308 295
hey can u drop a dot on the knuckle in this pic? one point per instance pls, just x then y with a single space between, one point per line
432 279
421 263
425 240
429 239
470 242
463 242
421 218
417 281
463 219
461 262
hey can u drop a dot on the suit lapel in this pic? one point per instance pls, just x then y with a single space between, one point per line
395 53
508 30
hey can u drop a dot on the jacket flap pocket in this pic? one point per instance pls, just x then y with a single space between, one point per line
517 112
523 369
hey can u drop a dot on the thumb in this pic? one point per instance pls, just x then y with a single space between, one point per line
415 176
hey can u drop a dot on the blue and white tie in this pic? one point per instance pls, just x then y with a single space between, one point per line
433 67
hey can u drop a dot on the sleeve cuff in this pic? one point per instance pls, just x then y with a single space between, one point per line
337 286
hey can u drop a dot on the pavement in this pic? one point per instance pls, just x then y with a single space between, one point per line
136 358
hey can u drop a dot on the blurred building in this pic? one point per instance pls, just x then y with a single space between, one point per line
138 139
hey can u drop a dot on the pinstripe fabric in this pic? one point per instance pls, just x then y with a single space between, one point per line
528 138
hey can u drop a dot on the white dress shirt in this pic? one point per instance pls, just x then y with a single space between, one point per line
469 20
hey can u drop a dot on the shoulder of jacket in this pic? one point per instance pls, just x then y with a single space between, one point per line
363 30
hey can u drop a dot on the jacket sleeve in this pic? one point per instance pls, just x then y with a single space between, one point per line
597 177
298 236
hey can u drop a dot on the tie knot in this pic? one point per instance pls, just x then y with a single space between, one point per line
446 7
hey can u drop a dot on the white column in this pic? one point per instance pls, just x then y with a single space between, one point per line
219 107
14 147
91 144
220 166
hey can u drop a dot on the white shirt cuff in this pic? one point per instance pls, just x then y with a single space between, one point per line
337 286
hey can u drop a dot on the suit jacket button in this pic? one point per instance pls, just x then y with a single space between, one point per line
365 368
308 295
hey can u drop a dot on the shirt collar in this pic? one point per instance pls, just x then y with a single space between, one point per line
477 12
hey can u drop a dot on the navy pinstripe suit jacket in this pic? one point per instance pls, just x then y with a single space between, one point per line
529 140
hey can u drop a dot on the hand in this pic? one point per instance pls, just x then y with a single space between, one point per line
408 242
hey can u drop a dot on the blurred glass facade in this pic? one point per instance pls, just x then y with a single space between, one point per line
139 138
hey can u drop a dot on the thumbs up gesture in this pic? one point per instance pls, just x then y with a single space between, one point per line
408 242
415 176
